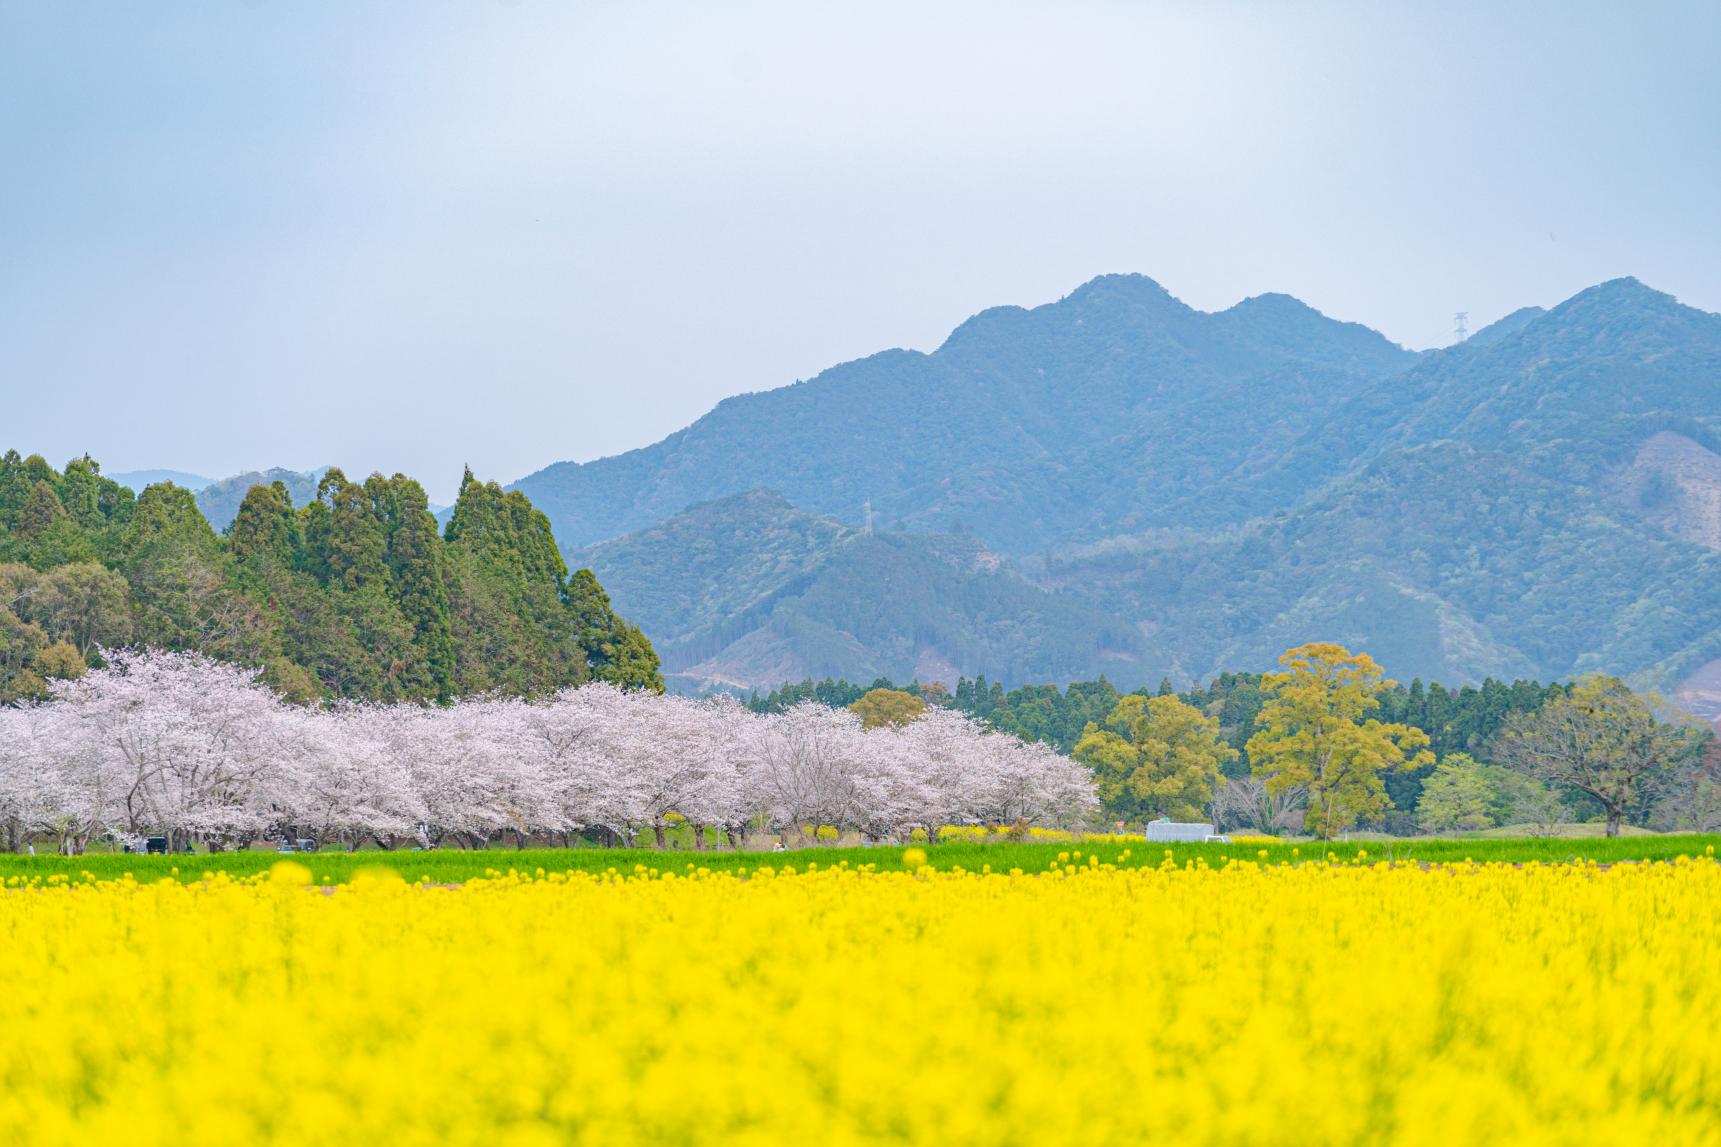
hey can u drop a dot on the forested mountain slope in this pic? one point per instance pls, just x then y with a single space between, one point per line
1543 503
1209 489
1441 560
1033 428
354 594
759 591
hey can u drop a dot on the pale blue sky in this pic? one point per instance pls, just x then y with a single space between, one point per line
408 236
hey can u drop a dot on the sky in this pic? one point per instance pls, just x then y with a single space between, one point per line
416 236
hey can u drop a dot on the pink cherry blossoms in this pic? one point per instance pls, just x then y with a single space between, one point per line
176 745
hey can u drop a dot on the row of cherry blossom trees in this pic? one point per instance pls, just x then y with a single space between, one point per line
178 745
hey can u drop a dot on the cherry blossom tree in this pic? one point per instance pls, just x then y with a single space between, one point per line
804 766
353 782
174 744
189 740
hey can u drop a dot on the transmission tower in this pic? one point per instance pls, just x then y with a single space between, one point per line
869 515
1461 326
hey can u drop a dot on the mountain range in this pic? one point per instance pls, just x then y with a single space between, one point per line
137 480
219 499
1119 483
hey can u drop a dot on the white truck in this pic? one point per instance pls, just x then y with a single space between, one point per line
1169 831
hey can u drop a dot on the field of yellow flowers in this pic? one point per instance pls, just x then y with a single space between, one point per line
1240 1003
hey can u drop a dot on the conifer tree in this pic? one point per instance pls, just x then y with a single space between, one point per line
265 528
615 650
415 561
355 595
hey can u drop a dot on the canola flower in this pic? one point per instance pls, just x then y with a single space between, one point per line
1228 1004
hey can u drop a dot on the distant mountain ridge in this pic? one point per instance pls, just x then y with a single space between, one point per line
760 591
220 500
1000 426
1541 500
136 480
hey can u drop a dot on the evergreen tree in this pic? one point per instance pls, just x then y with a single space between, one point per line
416 570
266 529
355 595
616 651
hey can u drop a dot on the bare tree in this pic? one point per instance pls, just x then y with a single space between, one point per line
1249 803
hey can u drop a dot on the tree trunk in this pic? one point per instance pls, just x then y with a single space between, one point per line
699 837
1613 819
662 840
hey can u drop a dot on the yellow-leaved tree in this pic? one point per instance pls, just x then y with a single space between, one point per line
1315 732
1156 756
887 707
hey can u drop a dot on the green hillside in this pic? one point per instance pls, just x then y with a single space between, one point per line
1032 428
748 591
1443 561
1185 492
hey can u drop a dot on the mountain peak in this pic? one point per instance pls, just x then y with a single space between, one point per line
1117 301
1619 295
1633 319
1134 287
1272 303
1284 324
1625 286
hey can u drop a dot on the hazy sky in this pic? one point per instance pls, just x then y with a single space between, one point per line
408 236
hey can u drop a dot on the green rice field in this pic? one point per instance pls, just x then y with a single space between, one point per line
450 866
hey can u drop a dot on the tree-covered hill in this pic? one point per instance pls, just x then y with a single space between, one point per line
354 594
748 591
1030 427
1443 561
1541 503
1541 500
220 500
1572 393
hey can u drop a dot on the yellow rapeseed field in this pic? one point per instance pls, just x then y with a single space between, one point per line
1312 1004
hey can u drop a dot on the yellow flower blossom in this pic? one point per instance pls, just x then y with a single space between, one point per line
1225 1003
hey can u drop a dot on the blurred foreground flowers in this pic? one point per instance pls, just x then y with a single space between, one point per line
1315 1003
